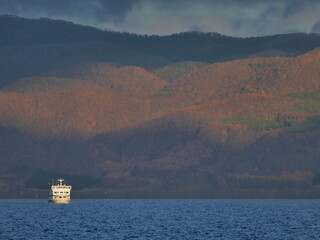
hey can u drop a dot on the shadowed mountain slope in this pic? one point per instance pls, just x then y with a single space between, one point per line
29 44
39 84
24 61
190 46
182 159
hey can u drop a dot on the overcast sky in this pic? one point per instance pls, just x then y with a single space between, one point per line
230 17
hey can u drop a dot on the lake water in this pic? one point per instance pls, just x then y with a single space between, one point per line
160 219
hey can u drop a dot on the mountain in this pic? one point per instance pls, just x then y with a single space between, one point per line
73 111
40 60
190 46
297 74
215 81
185 115
174 71
129 80
36 46
274 76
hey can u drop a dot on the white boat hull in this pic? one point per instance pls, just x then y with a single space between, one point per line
60 200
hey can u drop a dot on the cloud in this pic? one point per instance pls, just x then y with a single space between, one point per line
84 10
230 17
316 27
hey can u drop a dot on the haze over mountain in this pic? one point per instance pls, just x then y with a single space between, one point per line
185 115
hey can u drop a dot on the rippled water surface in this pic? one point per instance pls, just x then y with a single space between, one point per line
160 219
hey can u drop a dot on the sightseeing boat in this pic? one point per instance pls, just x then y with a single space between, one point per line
60 193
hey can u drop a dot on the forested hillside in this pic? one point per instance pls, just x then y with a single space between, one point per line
185 115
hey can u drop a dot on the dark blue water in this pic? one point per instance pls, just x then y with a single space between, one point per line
160 219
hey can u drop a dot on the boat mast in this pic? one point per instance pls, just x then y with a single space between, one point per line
60 180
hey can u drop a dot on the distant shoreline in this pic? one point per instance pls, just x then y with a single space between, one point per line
234 194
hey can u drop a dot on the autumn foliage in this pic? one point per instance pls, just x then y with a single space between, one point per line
215 125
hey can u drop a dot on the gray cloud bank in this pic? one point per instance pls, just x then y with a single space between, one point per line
230 17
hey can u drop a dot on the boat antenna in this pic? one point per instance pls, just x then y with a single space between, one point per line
60 180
